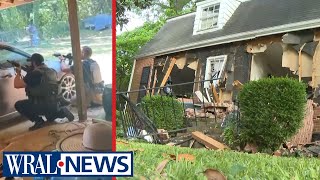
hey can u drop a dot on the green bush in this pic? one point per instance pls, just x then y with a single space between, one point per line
230 132
120 132
166 112
272 110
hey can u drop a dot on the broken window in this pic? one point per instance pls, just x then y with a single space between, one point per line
209 17
214 69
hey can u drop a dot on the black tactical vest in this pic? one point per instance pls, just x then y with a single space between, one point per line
48 89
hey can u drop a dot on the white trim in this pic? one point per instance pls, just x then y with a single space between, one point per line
182 16
208 95
132 72
197 22
215 28
207 2
303 25
208 69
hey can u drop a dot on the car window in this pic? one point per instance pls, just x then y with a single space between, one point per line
12 56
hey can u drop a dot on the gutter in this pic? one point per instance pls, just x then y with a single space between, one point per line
240 37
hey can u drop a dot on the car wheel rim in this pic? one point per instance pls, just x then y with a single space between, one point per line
68 88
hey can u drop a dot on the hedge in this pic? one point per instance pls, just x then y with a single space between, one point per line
272 110
166 112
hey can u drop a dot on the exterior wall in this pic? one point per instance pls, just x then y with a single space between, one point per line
304 135
237 66
316 120
136 77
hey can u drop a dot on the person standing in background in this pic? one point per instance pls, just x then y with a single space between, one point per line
33 33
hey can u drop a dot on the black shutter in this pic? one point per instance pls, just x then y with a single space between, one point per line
144 82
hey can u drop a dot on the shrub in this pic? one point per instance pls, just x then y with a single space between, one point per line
272 110
231 131
120 132
166 112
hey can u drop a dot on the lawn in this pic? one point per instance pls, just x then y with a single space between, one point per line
233 165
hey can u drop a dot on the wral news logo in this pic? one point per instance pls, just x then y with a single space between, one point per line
37 164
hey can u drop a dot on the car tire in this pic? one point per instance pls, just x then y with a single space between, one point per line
67 88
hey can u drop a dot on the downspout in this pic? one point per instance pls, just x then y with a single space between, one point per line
300 61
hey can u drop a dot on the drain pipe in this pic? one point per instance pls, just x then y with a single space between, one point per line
300 61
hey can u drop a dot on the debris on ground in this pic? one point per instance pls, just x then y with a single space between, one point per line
163 134
196 139
191 113
251 148
210 110
186 157
307 150
208 141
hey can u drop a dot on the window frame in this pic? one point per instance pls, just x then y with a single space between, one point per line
212 17
208 72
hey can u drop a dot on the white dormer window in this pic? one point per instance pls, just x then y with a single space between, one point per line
209 17
212 15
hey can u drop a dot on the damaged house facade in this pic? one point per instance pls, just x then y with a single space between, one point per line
235 42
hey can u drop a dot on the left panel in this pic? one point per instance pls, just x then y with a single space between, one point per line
55 82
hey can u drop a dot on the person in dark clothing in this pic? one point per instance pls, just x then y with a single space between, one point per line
42 90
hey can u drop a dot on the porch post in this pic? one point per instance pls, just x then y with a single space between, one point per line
76 52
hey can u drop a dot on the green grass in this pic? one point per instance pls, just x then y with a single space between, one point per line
234 165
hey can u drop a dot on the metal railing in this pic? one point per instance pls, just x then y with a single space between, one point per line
136 118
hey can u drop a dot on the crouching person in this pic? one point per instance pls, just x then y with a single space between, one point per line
42 89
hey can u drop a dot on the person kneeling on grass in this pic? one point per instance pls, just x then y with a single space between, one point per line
42 89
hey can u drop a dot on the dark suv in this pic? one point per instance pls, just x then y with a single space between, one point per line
9 95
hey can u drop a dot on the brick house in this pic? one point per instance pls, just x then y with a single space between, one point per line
234 40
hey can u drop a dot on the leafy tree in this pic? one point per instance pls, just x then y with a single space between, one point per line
176 7
50 16
168 8
128 44
127 5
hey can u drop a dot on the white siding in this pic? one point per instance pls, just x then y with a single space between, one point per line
231 7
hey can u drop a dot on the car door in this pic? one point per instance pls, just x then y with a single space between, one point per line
8 94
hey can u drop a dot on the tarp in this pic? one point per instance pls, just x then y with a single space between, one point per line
100 21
